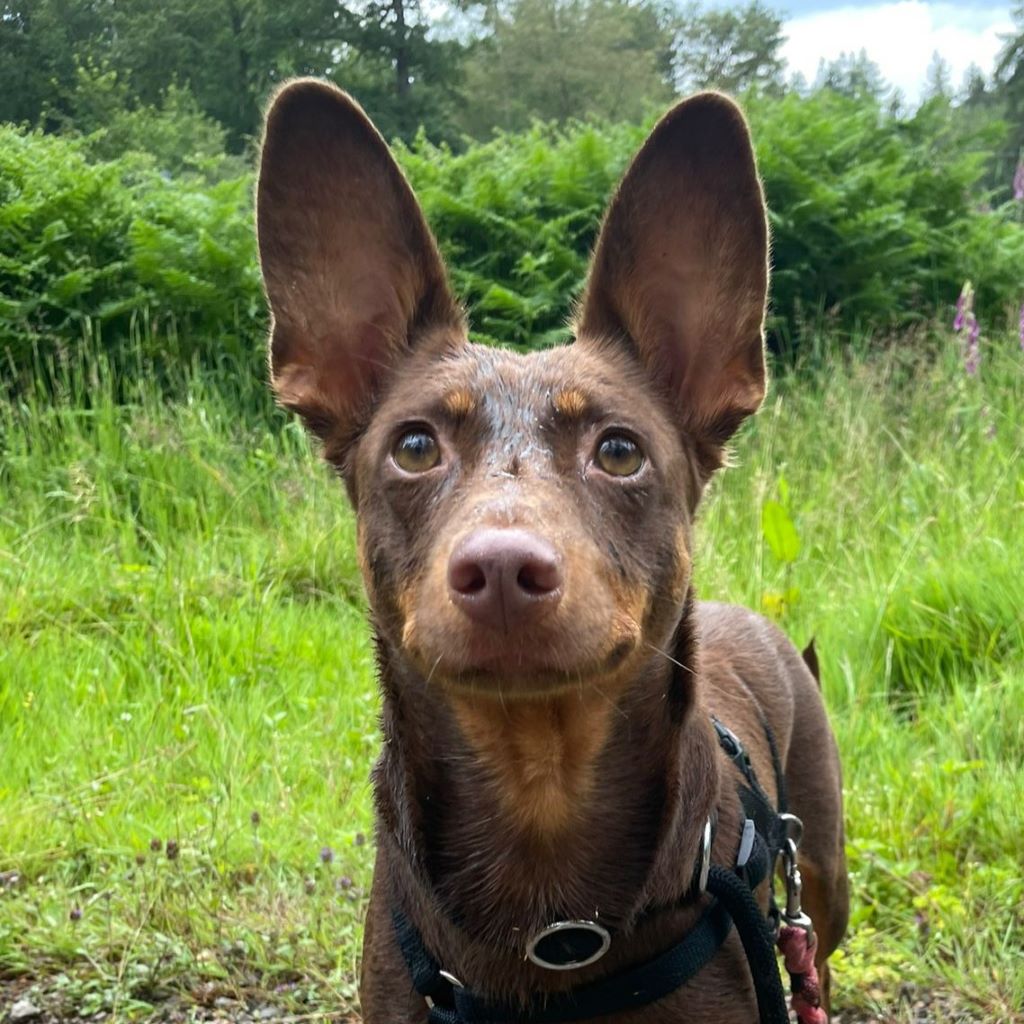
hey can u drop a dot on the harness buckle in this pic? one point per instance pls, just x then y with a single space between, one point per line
448 977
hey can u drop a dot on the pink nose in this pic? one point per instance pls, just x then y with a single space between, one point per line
504 578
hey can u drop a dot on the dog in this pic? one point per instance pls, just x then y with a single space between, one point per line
570 738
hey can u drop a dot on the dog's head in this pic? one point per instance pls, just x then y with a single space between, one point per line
524 520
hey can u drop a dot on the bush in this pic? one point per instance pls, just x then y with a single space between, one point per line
877 221
118 254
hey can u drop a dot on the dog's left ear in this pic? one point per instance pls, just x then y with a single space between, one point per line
680 271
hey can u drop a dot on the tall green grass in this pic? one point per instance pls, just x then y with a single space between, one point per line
183 656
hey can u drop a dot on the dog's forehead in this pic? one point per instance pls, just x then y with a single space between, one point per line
523 391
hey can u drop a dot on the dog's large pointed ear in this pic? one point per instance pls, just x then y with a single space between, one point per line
680 271
352 272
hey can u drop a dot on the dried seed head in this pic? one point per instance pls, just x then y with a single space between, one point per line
172 849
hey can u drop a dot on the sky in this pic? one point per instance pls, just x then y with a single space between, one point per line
900 36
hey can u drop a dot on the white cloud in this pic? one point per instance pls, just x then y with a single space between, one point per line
901 38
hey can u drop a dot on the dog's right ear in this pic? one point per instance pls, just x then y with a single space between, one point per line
352 272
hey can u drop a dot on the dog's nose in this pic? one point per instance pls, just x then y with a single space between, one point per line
503 578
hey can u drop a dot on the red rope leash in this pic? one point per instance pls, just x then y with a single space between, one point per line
797 946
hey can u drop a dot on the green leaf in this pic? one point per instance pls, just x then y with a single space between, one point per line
780 532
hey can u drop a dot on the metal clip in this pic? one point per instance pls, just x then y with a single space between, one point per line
794 827
794 915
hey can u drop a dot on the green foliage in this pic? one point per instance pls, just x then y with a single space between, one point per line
119 250
176 134
733 49
228 54
874 220
552 60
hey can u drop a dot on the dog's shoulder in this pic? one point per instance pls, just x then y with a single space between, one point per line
751 672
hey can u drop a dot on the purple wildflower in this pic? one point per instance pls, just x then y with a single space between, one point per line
76 913
964 306
972 350
1021 327
1018 182
326 855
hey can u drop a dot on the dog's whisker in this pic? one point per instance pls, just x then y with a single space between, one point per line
667 656
433 669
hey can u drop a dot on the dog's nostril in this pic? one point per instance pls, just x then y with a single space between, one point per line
467 578
539 578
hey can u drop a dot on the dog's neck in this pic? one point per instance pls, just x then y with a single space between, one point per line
509 818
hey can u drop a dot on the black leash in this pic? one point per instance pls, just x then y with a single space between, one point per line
758 942
732 903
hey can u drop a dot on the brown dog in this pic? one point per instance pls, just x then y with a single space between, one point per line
524 527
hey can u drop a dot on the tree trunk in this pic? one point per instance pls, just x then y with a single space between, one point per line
402 83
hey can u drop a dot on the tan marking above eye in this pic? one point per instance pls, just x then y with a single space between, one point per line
459 403
417 451
619 455
570 402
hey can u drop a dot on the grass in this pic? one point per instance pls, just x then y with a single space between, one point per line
183 658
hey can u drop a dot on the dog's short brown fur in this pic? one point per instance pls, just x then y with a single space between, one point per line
548 756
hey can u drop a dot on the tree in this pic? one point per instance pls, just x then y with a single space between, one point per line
854 75
227 54
42 43
1010 90
730 49
938 81
401 69
555 60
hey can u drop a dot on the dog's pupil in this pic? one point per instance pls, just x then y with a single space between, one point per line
416 450
619 455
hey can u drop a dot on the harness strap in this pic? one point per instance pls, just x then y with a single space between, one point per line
757 805
632 989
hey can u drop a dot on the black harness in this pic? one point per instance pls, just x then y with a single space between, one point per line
768 833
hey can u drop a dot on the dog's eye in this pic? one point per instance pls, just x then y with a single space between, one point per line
619 455
417 451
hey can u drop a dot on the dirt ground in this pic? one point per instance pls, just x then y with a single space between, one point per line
28 1001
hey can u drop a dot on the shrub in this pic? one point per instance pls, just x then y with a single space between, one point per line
877 221
121 255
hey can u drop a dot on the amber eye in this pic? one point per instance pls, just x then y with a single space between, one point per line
619 455
417 451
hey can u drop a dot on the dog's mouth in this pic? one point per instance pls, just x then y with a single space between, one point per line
519 669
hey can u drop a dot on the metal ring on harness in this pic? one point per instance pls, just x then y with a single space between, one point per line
568 945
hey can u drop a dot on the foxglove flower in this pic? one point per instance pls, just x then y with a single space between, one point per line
1018 182
964 306
1020 328
972 350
